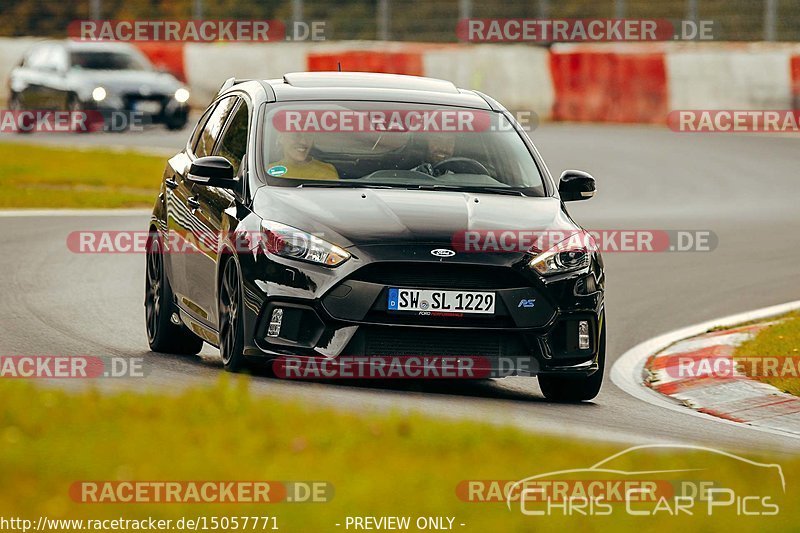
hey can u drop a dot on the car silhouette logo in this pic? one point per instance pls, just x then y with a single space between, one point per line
607 466
443 252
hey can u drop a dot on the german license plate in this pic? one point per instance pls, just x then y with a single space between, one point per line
445 301
148 106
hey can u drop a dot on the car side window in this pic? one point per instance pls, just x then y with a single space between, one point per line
37 59
57 59
50 59
198 129
213 126
233 143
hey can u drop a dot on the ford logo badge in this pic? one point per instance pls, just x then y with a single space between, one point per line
443 252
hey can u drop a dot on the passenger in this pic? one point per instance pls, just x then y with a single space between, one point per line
297 161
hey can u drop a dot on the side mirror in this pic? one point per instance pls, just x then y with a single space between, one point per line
576 185
212 171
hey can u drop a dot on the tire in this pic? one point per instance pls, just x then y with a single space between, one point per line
573 389
231 327
162 335
13 102
15 105
177 121
74 105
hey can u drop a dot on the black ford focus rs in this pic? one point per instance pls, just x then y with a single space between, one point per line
331 215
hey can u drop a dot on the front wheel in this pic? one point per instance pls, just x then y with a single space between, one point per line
24 124
231 326
91 121
177 121
162 335
560 388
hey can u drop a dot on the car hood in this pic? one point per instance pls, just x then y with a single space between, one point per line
126 81
369 217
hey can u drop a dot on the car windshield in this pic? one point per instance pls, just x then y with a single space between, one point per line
379 144
107 61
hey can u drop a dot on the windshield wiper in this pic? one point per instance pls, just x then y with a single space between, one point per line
423 187
477 189
344 184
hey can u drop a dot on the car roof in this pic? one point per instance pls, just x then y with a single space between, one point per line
366 86
366 80
92 46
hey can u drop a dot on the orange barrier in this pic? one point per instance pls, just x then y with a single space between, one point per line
613 86
166 55
795 72
404 62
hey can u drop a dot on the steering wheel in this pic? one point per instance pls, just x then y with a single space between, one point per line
459 165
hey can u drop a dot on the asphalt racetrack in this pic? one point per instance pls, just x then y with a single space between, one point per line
741 187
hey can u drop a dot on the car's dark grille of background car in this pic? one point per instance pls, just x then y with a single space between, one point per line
131 99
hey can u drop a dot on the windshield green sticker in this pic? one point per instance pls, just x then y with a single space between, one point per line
277 170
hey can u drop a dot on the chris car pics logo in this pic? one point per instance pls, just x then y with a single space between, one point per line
668 480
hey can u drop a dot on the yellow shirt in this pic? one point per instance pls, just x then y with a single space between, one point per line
311 170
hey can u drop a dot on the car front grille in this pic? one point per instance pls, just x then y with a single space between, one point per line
393 341
377 341
440 276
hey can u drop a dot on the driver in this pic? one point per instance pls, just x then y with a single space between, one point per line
440 147
297 161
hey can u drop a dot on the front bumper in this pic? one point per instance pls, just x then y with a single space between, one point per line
342 313
138 109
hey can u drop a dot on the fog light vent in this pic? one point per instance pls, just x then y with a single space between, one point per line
275 322
583 334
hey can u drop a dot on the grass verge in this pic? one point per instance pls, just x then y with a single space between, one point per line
395 464
34 176
781 340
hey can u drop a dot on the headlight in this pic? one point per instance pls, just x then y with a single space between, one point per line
98 94
286 241
182 95
570 255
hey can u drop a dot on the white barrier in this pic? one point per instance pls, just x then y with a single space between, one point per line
518 76
743 77
11 51
208 65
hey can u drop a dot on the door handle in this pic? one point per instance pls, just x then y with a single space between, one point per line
171 183
193 203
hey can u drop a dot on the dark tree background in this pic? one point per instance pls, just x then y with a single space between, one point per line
410 20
